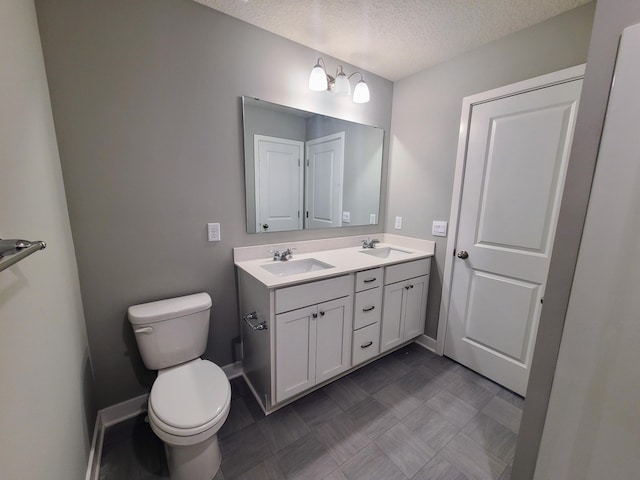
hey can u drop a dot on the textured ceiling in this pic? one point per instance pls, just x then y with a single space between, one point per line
393 38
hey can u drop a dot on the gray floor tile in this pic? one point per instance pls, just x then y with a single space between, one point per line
341 438
469 392
307 458
478 379
452 408
372 464
439 469
471 459
243 450
371 418
512 398
282 428
494 437
316 408
399 400
431 427
413 355
422 383
345 392
239 417
506 475
504 413
371 378
335 475
266 470
405 449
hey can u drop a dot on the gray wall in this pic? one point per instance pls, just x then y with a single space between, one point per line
47 413
610 19
426 121
146 102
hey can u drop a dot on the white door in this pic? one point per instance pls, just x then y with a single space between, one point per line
279 183
516 159
325 158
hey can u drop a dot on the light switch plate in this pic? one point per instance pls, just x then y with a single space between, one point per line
398 224
372 219
213 232
346 217
439 228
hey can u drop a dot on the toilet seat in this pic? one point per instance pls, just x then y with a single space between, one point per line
190 399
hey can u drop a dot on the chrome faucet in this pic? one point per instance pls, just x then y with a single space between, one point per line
370 243
283 256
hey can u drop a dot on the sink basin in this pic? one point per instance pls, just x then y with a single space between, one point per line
295 267
385 252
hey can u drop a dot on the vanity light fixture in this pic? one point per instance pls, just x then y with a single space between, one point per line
320 81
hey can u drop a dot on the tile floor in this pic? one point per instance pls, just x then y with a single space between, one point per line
409 415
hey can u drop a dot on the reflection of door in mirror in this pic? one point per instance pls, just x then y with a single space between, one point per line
324 180
279 183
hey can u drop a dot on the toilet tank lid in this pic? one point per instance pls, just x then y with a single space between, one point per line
169 308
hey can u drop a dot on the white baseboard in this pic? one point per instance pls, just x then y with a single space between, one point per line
427 342
122 411
95 453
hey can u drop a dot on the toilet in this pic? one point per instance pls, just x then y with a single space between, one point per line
190 399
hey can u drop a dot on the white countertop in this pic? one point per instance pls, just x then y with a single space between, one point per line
345 259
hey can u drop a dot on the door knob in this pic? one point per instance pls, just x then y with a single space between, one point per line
463 255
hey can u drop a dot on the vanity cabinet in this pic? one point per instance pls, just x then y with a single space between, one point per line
404 303
312 342
298 336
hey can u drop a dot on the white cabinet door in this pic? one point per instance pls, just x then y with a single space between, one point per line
391 334
415 306
295 352
333 338
313 344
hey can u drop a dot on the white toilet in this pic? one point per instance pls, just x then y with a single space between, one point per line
190 399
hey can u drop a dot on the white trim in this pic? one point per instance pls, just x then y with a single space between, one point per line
95 453
427 342
233 370
124 410
543 81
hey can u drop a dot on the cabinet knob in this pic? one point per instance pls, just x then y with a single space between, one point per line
314 315
321 313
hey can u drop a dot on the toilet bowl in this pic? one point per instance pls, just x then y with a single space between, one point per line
190 400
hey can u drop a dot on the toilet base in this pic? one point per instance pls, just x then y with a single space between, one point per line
194 462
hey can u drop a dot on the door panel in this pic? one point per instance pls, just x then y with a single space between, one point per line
392 330
416 307
279 183
516 158
325 158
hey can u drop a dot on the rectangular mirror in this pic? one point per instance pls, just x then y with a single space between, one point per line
305 170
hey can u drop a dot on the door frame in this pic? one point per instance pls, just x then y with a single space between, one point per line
543 81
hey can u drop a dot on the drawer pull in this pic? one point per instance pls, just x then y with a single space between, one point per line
369 280
368 309
366 345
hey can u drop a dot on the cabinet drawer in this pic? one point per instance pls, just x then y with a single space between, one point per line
368 279
299 296
402 271
366 343
367 308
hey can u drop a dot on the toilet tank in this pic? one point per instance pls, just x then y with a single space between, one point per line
172 331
